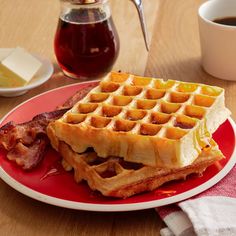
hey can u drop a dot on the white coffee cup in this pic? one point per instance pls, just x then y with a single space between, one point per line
218 41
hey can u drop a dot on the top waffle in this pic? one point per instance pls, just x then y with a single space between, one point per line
144 120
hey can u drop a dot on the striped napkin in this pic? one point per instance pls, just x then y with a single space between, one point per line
212 212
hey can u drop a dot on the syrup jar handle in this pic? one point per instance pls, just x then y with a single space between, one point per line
139 6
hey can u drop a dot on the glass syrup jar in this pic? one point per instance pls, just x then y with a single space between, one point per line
86 42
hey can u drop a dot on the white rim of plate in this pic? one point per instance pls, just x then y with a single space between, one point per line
113 207
47 74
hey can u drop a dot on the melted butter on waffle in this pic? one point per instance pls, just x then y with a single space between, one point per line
143 120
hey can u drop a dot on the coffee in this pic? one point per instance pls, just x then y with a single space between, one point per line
226 21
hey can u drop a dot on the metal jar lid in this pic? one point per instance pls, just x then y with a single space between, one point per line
81 2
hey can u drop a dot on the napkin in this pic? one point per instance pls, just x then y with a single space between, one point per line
212 212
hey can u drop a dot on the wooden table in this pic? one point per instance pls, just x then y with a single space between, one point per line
174 54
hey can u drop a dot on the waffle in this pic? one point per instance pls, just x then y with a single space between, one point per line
143 120
116 178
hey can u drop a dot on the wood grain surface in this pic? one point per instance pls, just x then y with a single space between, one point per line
174 54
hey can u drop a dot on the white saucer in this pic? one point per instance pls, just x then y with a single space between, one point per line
43 75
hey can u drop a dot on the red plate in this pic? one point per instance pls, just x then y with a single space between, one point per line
59 187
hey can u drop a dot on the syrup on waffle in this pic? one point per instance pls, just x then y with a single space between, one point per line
143 120
116 178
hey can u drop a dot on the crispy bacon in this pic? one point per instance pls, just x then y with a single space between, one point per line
26 142
28 156
76 97
27 133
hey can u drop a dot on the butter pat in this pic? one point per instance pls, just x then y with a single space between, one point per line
4 52
9 79
20 64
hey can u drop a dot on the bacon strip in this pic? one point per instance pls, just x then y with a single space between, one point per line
26 142
27 133
28 157
76 97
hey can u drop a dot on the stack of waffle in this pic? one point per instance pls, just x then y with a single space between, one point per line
143 132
